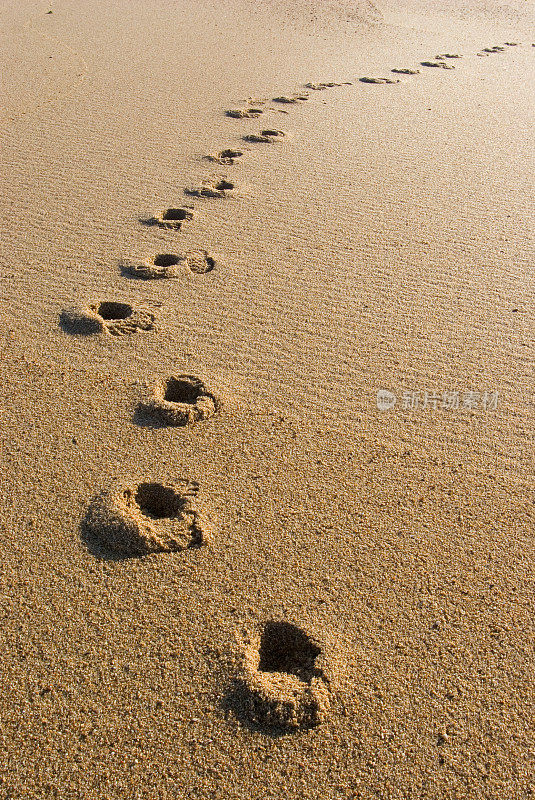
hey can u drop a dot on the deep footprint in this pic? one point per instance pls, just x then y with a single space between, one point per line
169 265
179 400
108 316
282 684
170 219
406 71
147 518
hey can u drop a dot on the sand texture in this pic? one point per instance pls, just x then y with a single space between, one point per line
267 348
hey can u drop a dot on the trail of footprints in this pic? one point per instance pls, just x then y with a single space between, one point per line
281 681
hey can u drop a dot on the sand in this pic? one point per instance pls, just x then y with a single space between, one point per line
267 400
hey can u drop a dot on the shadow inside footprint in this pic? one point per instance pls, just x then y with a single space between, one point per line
280 688
171 218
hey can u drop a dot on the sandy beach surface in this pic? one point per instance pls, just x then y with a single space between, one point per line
267 426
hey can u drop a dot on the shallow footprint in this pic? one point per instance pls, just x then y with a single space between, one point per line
281 684
290 99
108 316
268 136
365 79
179 400
406 71
244 113
170 219
213 187
163 265
447 55
150 517
320 87
199 261
439 64
227 156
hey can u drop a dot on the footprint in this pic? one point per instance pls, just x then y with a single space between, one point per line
512 44
200 262
268 136
440 64
488 50
379 80
163 265
109 316
406 71
292 98
319 87
169 265
244 113
447 55
147 518
281 683
171 218
179 400
214 187
227 156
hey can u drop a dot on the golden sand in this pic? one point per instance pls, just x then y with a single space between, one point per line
267 400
